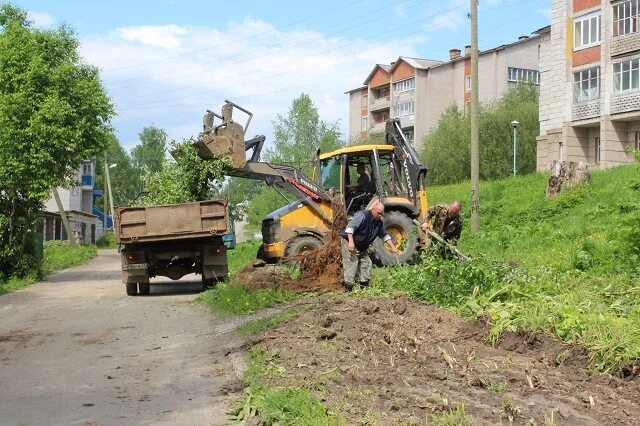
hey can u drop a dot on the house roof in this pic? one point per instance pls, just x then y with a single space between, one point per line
383 67
418 63
543 30
357 89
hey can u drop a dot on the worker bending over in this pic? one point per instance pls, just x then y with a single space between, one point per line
360 233
445 221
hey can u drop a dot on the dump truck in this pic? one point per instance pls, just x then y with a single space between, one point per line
172 241
397 179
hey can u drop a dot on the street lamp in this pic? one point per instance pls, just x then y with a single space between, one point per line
514 125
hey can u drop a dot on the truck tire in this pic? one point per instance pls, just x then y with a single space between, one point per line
208 283
144 289
404 235
132 289
302 244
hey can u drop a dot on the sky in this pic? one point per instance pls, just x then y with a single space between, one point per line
165 62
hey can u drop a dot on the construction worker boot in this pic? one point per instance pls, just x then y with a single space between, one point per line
347 286
364 284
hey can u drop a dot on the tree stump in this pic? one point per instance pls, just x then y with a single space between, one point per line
566 174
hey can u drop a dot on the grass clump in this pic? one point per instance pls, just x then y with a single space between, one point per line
233 298
278 405
61 255
107 241
567 265
242 255
454 417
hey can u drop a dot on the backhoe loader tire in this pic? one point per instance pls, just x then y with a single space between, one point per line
132 289
302 244
399 226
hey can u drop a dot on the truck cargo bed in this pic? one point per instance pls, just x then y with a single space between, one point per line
171 222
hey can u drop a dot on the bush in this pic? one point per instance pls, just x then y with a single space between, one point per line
107 241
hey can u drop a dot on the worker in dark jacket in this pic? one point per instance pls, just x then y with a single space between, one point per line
360 233
445 221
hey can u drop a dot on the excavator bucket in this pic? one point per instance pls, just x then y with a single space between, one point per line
226 139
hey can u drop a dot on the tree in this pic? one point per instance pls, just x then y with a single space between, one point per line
300 134
149 154
54 113
187 178
446 149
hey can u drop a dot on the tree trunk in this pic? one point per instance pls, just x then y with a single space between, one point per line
566 174
14 203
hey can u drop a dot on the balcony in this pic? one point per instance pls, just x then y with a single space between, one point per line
625 103
377 104
378 127
585 110
87 182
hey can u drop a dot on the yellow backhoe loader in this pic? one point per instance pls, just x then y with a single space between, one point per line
396 177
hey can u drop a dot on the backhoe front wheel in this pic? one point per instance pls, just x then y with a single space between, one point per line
302 244
404 235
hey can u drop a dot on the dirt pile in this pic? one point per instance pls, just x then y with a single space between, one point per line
320 270
388 361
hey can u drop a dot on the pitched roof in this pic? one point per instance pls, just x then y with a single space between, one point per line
418 63
383 67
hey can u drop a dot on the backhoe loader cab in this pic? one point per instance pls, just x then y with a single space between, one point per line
394 175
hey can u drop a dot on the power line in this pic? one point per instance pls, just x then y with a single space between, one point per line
150 103
237 40
288 89
281 49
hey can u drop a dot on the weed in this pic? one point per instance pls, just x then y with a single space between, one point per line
496 387
237 299
278 405
107 241
453 417
61 255
242 255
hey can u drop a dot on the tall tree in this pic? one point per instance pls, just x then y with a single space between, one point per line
298 135
54 113
149 154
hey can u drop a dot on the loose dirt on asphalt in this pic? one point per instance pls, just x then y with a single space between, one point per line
75 349
388 361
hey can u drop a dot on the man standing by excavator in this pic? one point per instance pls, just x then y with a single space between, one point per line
445 221
357 237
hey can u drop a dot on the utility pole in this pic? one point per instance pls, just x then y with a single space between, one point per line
110 192
63 216
475 131
104 194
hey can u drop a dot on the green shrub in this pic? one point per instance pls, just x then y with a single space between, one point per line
107 241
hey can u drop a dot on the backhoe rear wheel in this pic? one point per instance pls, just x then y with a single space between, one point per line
404 235
132 289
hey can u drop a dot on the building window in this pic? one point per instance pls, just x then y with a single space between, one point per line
403 109
365 124
586 84
86 169
637 145
598 149
404 85
365 101
468 83
625 17
626 76
383 93
586 31
521 74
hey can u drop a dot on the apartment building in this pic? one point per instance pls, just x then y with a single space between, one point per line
590 83
77 202
418 90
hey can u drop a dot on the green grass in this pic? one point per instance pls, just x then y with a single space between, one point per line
236 299
567 265
454 417
107 241
278 405
57 255
242 255
263 324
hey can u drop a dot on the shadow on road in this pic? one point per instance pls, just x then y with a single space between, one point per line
170 288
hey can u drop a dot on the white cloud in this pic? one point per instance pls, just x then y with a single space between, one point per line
546 12
450 20
40 19
189 69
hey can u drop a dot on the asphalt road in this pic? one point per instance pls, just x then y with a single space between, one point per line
75 349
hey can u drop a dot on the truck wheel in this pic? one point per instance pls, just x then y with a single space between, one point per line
144 288
208 283
404 235
302 244
132 289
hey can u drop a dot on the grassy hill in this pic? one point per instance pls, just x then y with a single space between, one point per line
567 265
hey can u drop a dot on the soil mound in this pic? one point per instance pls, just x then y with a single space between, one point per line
392 361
